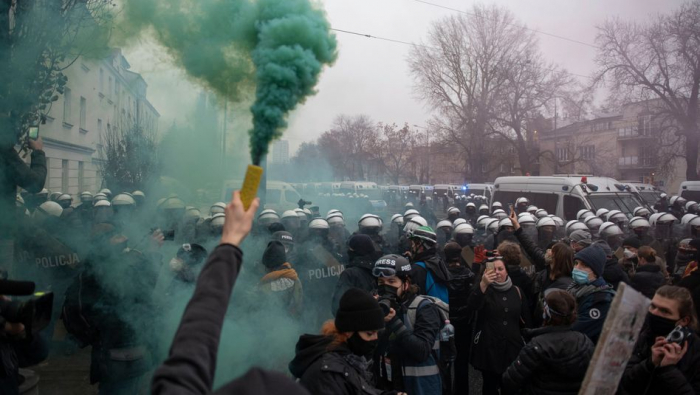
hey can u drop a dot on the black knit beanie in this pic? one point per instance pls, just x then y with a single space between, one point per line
452 251
274 255
358 311
360 245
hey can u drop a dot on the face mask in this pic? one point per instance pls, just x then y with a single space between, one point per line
628 254
580 277
361 347
388 291
660 326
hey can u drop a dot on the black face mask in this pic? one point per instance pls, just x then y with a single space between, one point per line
660 326
387 291
362 347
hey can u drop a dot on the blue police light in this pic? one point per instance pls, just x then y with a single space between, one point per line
464 187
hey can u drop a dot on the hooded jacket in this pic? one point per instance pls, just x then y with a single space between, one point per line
593 305
553 362
321 371
433 265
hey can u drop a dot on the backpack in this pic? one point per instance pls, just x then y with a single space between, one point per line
448 350
433 288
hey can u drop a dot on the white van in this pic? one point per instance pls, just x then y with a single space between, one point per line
690 190
564 196
369 189
478 189
650 193
448 190
280 196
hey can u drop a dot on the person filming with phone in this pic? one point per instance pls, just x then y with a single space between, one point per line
14 172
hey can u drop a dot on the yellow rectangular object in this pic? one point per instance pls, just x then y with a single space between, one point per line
249 190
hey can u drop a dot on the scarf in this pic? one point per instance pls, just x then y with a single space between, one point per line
287 272
579 291
504 286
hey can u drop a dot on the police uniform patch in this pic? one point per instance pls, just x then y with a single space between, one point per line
594 313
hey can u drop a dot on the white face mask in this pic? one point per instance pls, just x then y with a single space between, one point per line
629 254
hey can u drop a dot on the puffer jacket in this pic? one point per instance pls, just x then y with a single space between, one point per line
553 362
680 379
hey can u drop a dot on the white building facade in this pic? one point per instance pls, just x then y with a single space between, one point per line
98 95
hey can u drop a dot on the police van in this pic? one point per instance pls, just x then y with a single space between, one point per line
690 190
368 189
478 190
564 196
650 193
279 196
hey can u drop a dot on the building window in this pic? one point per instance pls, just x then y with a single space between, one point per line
102 80
64 176
66 105
83 112
645 125
563 154
81 176
587 152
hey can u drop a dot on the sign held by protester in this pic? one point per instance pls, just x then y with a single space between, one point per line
616 344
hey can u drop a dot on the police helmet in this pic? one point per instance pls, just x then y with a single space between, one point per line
464 229
641 212
593 222
49 208
526 218
541 213
369 221
102 203
505 222
480 221
289 214
583 214
451 210
414 223
639 222
686 218
500 214
217 208
107 192
318 223
123 199
217 220
573 226
492 225
86 197
608 229
459 221
546 221
601 213
444 224
532 209
336 220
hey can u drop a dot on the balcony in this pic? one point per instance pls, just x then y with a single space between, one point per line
635 133
636 162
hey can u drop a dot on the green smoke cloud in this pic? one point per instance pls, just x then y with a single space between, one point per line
277 47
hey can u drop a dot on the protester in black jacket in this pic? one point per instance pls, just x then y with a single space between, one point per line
556 359
501 311
660 367
191 364
337 361
358 272
460 317
613 271
512 257
648 277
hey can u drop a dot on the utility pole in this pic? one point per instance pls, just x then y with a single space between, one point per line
556 153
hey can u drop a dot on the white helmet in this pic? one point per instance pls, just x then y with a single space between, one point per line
334 211
192 213
86 196
608 229
307 212
611 214
532 209
545 221
639 222
217 208
541 213
573 226
106 191
483 207
103 203
665 217
522 200
414 223
290 214
695 221
410 213
123 199
397 218
583 214
593 222
677 199
464 229
500 214
49 208
602 213
505 222
318 223
557 220
369 221
641 211
451 210
480 221
470 204
654 217
690 204
686 218
268 217
459 221
336 220
217 220
496 205
526 218
444 224
409 204
138 194
663 195
492 225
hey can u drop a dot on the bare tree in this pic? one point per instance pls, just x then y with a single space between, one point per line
395 150
464 69
657 60
350 146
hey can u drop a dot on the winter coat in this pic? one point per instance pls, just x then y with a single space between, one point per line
191 363
496 341
648 279
322 372
641 375
593 302
553 362
13 173
614 273
282 289
358 274
692 283
407 353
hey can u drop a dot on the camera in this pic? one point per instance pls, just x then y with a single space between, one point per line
385 304
303 203
34 314
679 335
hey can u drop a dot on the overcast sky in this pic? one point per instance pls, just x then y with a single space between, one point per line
371 76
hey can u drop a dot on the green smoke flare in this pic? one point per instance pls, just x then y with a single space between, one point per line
278 47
